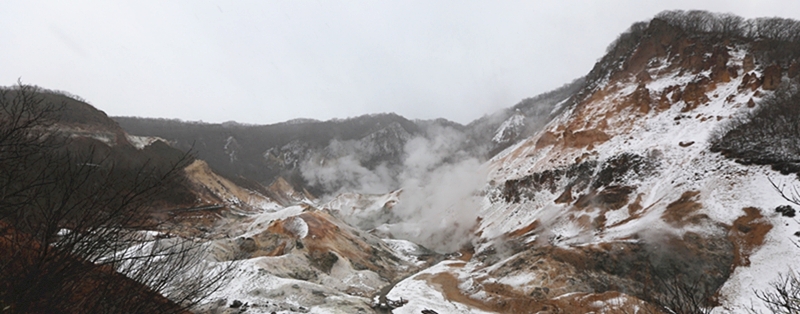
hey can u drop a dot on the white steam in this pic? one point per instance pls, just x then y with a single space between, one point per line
439 209
439 205
346 174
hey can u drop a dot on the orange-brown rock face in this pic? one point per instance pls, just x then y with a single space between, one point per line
694 95
772 77
750 82
718 64
321 235
641 100
749 63
747 234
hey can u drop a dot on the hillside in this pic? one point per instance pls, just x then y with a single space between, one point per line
80 196
644 192
664 181
621 201
264 153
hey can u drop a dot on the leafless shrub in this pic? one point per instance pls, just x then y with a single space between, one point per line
768 135
791 194
683 295
70 216
696 21
783 297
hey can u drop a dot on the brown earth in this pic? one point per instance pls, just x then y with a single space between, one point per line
565 197
749 63
640 99
585 138
214 189
548 138
750 81
500 298
524 230
327 235
669 96
694 95
635 207
747 234
682 211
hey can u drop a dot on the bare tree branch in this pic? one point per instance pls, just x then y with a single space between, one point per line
76 224
793 196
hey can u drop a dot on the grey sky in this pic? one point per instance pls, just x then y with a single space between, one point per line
271 61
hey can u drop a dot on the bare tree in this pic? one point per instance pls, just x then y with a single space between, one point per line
790 194
783 297
679 292
731 25
73 220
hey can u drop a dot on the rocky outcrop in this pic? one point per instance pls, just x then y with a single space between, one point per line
694 95
748 64
772 77
641 100
750 82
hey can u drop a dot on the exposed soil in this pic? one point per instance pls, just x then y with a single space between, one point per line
585 138
682 211
524 230
506 299
606 302
503 299
747 234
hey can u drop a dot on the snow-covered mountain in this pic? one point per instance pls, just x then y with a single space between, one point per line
648 186
296 151
621 203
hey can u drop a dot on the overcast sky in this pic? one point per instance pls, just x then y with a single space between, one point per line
270 61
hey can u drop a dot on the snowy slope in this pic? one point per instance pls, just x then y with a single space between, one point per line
622 178
616 198
510 128
301 258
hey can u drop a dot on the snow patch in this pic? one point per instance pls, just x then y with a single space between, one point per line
297 226
140 142
511 126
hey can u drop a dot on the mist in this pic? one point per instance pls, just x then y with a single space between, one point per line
439 204
347 174
440 208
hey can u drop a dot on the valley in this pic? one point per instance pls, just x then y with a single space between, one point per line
648 186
